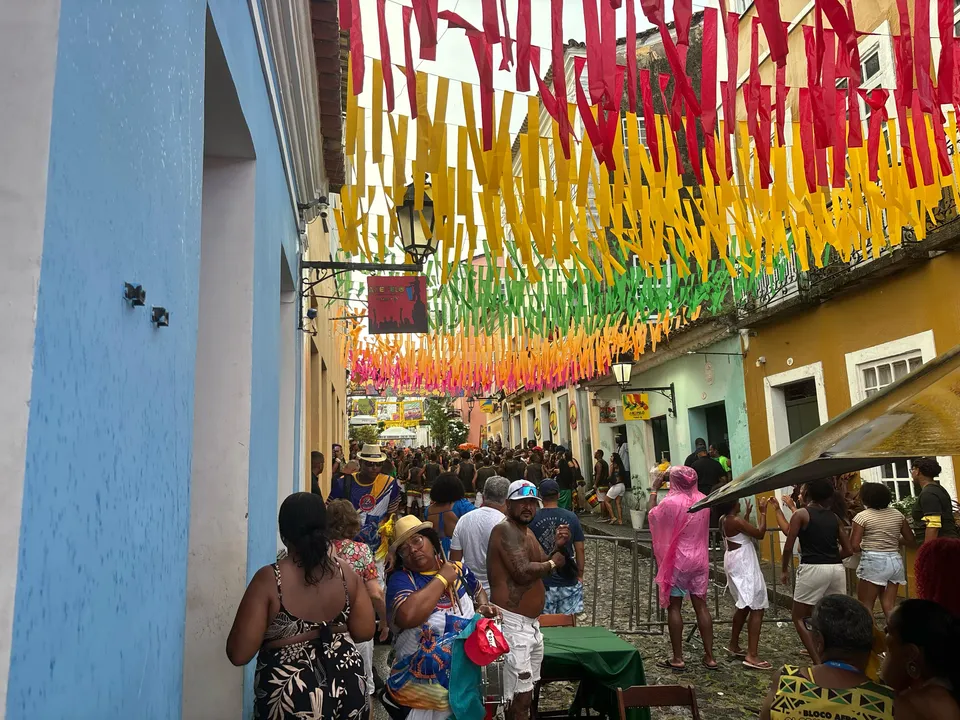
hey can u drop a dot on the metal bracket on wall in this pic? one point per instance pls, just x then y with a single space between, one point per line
669 392
327 270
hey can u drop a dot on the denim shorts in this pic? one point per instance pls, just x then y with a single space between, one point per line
880 568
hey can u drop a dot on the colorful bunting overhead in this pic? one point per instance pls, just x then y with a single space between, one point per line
579 226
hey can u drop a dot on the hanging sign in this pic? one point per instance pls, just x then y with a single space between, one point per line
608 413
573 416
397 304
413 410
635 406
536 428
487 405
554 423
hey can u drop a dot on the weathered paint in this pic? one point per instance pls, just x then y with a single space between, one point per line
100 600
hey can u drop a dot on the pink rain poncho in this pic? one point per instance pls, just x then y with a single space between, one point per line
680 539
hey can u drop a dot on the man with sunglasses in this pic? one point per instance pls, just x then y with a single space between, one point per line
516 566
375 496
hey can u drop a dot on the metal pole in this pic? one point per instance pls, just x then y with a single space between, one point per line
596 579
773 567
613 598
361 266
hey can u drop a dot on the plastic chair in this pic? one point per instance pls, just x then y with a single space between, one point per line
557 620
650 696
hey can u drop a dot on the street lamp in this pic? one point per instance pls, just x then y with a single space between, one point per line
413 239
622 371
471 402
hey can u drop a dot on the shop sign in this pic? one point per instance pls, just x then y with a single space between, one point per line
636 406
573 416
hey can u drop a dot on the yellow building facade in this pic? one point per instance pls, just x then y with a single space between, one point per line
324 375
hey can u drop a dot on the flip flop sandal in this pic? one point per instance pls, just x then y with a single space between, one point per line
712 668
764 665
732 654
667 665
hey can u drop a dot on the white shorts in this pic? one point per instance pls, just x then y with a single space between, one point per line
366 652
525 656
616 491
816 581
881 568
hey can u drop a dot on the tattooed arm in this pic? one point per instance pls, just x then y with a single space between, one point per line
516 560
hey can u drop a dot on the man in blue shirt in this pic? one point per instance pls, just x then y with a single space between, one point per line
564 588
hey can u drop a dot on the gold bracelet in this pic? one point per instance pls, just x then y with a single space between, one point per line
552 564
441 578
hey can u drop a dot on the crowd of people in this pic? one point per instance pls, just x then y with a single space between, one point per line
434 544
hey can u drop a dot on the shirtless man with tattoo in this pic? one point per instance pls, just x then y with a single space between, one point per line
516 566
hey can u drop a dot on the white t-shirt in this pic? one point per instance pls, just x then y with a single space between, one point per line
472 535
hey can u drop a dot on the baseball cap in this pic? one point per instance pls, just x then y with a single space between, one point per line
486 643
549 487
522 489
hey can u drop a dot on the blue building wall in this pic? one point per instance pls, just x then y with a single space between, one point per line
100 603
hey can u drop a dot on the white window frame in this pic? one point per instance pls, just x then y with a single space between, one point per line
924 343
778 431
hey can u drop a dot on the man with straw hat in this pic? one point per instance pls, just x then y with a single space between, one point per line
376 497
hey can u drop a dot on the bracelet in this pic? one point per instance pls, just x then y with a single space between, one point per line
441 578
552 564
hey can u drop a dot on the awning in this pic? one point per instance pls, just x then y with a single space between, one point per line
397 433
919 415
363 420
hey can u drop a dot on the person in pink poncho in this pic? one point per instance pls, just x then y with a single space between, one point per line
680 544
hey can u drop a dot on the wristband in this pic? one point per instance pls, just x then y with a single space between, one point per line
441 578
552 564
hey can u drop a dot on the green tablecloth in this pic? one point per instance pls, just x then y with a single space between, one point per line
594 653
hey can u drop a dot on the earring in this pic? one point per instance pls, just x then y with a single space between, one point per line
913 671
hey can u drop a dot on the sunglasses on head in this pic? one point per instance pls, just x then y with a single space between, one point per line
528 491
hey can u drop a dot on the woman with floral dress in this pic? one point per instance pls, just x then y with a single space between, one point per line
298 616
344 525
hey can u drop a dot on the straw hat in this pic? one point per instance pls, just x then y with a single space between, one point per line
407 527
371 453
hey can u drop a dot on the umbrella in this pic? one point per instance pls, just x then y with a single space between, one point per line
397 433
918 415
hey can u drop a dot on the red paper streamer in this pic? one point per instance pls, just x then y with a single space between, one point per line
877 101
612 121
559 75
491 25
664 81
506 44
708 87
408 70
356 48
855 74
769 13
920 138
549 101
608 54
693 149
781 103
904 133
682 14
807 145
940 139
828 90
631 50
855 128
426 14
922 54
523 46
591 25
904 57
729 88
385 63
842 26
752 89
649 119
345 8
763 139
590 125
840 137
945 68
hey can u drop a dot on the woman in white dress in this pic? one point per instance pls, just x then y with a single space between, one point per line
745 579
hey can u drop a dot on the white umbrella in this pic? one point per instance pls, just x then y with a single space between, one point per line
363 420
397 433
